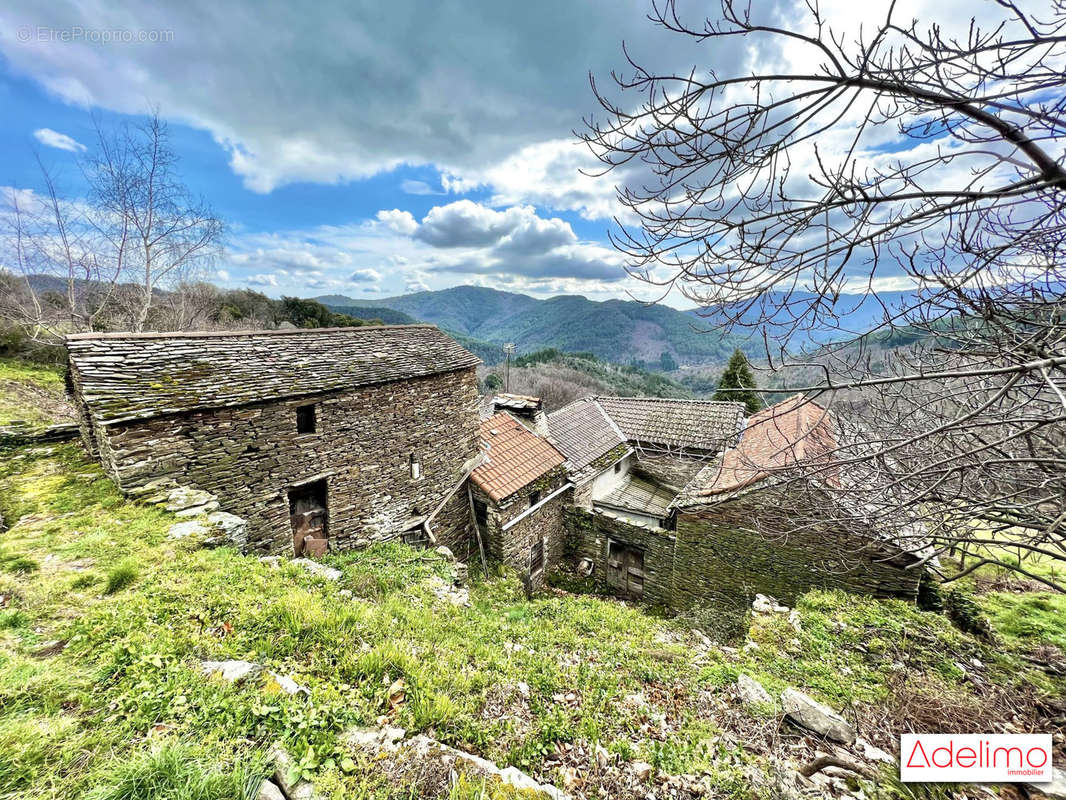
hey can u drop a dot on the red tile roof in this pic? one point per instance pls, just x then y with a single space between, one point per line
514 456
795 432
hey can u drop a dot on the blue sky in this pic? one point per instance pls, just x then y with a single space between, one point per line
360 147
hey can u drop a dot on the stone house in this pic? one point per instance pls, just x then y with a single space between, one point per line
348 435
519 494
680 503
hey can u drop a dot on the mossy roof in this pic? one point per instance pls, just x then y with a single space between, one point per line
127 376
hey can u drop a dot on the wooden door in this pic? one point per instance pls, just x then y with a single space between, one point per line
625 570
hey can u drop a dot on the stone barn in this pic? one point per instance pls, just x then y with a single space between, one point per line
519 493
321 439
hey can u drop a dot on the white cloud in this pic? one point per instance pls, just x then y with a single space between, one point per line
222 275
60 141
469 84
364 276
263 280
398 221
418 187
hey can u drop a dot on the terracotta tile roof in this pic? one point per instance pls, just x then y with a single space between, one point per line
794 433
514 456
583 432
682 424
124 376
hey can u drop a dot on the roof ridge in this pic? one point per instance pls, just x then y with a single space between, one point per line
692 400
224 334
610 421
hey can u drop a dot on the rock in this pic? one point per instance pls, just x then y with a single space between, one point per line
319 570
794 620
183 530
873 753
276 684
585 567
423 755
230 526
1055 790
762 604
445 552
231 671
268 790
293 790
183 498
814 716
641 769
751 692
272 561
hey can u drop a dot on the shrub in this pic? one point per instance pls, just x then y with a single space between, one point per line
120 576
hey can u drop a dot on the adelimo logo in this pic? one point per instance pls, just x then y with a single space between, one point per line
975 758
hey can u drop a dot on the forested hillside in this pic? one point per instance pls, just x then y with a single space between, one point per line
619 331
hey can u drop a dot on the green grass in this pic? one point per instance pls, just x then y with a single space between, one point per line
122 710
30 392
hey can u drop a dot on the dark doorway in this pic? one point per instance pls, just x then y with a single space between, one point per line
625 570
481 516
309 517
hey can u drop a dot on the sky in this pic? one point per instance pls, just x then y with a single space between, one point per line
359 148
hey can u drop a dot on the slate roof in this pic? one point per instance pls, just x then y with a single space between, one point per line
793 433
514 456
583 432
675 424
126 376
637 494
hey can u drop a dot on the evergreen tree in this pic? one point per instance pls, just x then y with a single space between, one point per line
738 375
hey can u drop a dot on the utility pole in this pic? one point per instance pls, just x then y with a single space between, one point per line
508 349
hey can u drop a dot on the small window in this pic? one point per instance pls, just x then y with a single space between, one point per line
618 467
536 557
305 419
534 497
415 465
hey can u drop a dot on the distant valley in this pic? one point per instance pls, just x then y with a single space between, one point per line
618 331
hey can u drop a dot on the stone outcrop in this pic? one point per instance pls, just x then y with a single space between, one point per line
751 692
817 717
433 766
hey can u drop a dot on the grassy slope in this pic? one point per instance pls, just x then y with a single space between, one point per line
30 392
122 712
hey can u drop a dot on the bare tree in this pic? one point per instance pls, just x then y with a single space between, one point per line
101 261
157 233
900 155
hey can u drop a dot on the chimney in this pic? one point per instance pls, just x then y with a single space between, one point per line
527 410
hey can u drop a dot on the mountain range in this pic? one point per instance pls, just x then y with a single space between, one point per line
619 331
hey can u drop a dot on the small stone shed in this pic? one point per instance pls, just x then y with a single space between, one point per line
519 494
351 435
703 510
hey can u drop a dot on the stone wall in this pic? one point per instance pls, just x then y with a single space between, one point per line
715 557
512 546
721 557
587 534
251 456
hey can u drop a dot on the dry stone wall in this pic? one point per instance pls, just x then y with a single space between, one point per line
720 556
588 534
251 456
717 558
